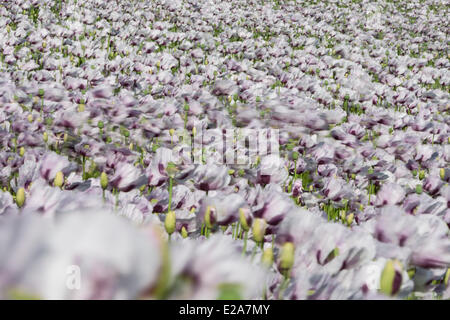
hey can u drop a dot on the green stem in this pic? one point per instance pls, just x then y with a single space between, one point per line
283 287
84 167
170 192
244 249
254 251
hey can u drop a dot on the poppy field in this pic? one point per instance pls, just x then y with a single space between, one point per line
239 149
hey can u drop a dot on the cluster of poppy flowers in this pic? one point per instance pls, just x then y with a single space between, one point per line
355 204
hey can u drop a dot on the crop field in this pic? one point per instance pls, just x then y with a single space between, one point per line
224 149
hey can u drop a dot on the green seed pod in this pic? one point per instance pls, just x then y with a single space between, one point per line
171 131
104 180
21 151
267 257
442 173
186 107
208 221
20 197
350 218
171 169
184 232
170 221
419 189
59 179
45 136
287 256
389 277
243 220
447 276
41 92
100 125
259 229
295 155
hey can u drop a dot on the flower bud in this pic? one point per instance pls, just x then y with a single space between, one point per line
59 179
350 218
104 180
184 232
30 118
243 220
81 107
421 174
391 277
259 229
170 221
287 256
411 273
267 257
20 197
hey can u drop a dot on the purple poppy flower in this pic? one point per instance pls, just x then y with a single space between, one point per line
211 177
222 209
52 163
390 194
127 177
